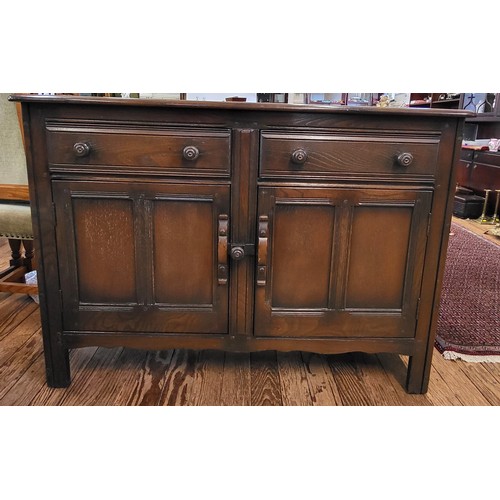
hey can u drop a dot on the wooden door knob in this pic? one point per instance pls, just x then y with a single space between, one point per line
237 253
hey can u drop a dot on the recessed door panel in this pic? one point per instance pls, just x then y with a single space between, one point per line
380 238
302 255
183 251
105 260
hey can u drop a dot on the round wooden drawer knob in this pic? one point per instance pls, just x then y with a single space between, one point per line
299 156
405 159
81 149
190 153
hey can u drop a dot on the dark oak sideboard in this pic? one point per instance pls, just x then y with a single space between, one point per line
237 226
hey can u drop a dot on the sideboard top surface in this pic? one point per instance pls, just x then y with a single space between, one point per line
241 106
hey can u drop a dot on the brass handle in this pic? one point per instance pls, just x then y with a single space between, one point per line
190 153
222 269
81 149
237 253
405 159
299 156
262 250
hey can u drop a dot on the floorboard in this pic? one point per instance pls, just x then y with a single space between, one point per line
178 378
265 382
486 382
348 378
236 388
294 383
145 386
323 387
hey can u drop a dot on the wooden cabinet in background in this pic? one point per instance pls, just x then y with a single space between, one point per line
442 100
480 170
240 226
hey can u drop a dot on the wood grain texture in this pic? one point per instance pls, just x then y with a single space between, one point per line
23 352
334 155
85 391
460 384
146 386
13 310
187 105
348 378
377 381
207 384
14 192
201 377
294 383
488 386
265 381
110 160
179 378
122 377
48 396
236 385
322 385
395 370
152 148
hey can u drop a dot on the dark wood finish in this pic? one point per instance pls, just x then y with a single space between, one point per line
443 100
336 252
328 250
141 257
316 156
137 149
480 170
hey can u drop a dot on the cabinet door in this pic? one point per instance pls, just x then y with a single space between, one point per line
143 257
463 173
340 262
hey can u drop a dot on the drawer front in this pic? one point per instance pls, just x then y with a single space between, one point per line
295 155
467 154
163 152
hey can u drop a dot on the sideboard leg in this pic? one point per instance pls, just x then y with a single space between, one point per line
419 368
57 366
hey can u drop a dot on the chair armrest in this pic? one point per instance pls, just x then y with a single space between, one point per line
14 192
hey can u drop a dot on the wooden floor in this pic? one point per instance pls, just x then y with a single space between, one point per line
121 376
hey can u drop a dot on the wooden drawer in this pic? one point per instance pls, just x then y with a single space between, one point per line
184 152
301 155
467 154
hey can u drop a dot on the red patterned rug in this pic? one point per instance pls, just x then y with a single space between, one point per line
469 317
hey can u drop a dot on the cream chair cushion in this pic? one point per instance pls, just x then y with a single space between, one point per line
15 221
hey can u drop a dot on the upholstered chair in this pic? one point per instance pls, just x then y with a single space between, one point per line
15 213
